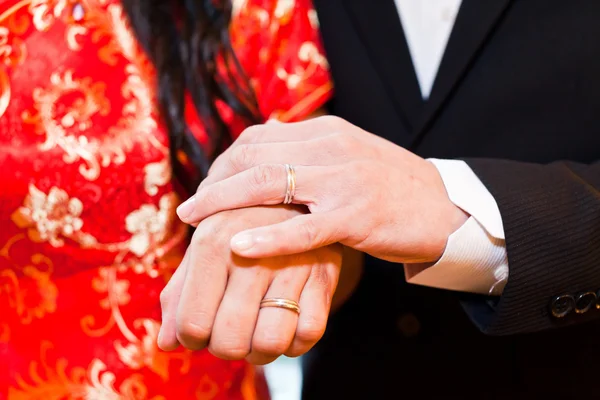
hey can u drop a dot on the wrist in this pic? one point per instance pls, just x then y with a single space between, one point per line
451 217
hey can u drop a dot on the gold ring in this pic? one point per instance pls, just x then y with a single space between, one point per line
290 190
281 303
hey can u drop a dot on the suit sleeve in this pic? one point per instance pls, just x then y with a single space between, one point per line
551 218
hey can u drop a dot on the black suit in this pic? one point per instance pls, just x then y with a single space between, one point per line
517 94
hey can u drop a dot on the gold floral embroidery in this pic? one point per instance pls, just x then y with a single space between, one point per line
64 124
52 217
148 224
45 12
139 113
65 129
284 10
145 352
308 53
32 295
155 175
5 91
313 19
117 295
12 53
136 353
58 383
119 289
152 263
71 12
248 388
207 388
55 216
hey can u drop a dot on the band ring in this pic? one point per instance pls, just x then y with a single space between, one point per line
290 190
281 303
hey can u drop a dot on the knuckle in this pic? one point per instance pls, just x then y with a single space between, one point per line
212 233
311 330
228 349
296 352
218 162
212 198
343 143
200 233
319 277
264 175
308 230
270 344
252 134
333 121
349 144
192 334
242 157
165 297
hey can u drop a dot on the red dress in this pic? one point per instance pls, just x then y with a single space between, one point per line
88 231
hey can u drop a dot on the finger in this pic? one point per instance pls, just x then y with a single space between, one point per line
296 235
169 300
236 319
315 304
276 327
317 151
246 156
279 132
261 185
205 281
288 131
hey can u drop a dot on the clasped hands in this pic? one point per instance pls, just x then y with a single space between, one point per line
352 189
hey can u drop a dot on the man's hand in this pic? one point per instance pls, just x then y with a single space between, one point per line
362 191
213 299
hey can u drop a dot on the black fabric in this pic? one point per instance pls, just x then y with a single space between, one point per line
518 97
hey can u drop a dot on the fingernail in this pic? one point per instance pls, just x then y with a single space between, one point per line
242 242
185 209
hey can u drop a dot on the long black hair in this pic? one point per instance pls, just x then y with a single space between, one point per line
185 39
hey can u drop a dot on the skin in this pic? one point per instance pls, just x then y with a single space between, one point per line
361 190
213 298
200 312
402 215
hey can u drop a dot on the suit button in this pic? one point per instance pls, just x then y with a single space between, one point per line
409 325
562 305
584 302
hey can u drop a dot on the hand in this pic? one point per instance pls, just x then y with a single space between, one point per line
213 298
361 190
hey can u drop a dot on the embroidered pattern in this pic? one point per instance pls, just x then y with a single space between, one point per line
91 234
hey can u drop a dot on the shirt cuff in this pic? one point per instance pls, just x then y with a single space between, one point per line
475 258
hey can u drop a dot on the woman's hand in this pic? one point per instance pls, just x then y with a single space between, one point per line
362 191
213 299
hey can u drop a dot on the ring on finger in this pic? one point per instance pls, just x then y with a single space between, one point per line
281 303
290 190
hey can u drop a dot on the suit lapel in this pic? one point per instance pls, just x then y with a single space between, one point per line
475 22
378 25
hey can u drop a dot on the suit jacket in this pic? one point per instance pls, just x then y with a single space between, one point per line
518 97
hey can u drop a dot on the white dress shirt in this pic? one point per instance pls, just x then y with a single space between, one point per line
475 257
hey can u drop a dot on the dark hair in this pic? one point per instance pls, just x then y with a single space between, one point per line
186 39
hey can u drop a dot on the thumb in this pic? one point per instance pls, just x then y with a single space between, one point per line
296 235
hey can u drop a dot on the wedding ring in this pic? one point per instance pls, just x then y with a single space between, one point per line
290 190
281 303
